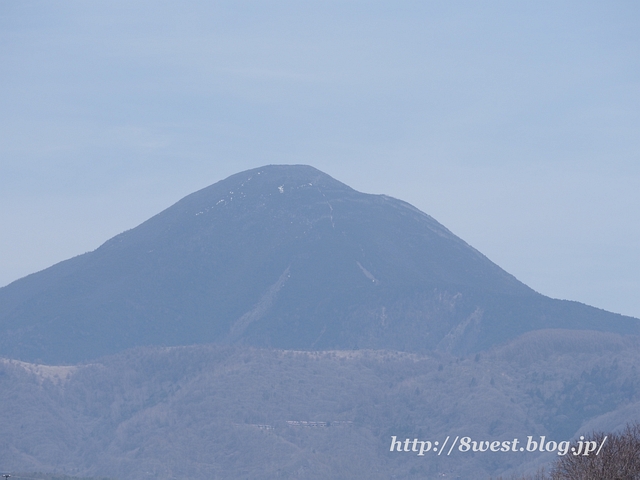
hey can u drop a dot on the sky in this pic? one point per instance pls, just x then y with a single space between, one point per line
514 124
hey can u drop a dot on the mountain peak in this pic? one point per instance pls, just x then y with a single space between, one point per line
270 180
279 256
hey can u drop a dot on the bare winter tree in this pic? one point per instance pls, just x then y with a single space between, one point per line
619 458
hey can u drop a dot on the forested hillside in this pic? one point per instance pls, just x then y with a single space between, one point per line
207 412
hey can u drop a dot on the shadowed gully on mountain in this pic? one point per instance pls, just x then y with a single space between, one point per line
284 257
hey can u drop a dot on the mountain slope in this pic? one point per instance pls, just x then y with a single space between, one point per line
285 257
219 412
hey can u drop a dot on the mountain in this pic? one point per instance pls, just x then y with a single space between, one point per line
207 412
279 324
281 257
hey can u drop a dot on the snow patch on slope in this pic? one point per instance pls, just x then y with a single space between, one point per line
368 274
55 373
265 302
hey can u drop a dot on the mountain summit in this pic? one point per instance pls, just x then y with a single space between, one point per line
284 257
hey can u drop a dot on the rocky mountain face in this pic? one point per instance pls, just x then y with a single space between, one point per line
280 257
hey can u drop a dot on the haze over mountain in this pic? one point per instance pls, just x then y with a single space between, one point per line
283 257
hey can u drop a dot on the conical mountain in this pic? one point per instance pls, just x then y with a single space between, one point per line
282 257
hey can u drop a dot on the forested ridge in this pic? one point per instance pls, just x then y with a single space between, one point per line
214 411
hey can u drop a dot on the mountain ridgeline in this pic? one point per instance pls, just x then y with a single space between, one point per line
281 257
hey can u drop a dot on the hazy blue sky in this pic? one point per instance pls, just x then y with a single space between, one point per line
515 124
